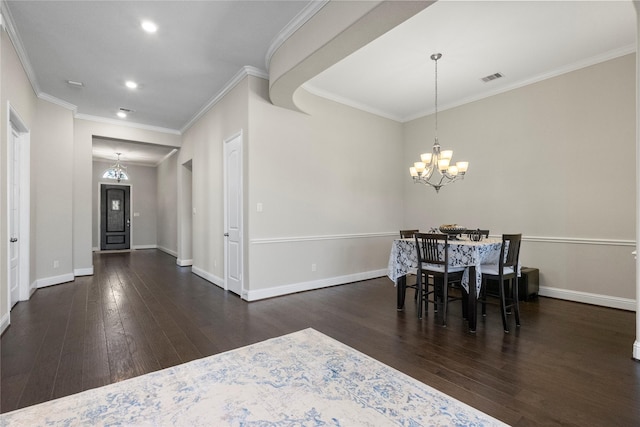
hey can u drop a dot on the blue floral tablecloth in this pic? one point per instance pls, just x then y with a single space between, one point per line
462 253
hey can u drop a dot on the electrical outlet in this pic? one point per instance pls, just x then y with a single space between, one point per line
56 264
313 267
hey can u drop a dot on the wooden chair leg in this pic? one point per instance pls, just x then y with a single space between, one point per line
516 301
445 301
503 305
465 304
420 295
426 297
483 296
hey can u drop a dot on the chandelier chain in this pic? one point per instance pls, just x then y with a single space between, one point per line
436 61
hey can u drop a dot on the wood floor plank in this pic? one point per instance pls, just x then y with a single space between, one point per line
568 365
121 364
160 346
69 371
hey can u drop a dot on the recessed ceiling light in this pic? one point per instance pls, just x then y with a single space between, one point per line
149 26
131 84
122 114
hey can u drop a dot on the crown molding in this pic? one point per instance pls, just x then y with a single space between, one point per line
9 26
298 21
126 124
594 60
237 78
169 154
349 102
255 72
58 101
616 53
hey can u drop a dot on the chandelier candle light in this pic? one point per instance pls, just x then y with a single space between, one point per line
438 160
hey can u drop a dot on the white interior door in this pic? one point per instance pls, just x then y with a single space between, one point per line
233 213
14 219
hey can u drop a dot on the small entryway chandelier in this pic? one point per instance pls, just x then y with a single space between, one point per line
116 171
435 168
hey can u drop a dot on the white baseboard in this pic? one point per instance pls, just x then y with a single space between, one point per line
258 294
32 288
168 251
4 323
55 280
208 276
96 249
588 298
83 271
138 247
184 262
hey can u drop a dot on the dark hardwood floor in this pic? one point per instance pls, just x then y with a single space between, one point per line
569 364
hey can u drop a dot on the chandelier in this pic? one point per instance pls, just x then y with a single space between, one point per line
435 168
116 171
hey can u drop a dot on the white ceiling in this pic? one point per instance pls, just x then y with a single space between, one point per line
198 49
527 41
201 45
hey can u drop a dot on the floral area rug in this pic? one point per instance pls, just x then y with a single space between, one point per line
301 379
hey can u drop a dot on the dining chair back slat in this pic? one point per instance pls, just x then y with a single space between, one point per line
511 259
507 278
433 263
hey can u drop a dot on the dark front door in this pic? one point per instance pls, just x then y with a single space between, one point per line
114 217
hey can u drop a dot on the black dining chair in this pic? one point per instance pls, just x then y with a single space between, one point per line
506 274
408 234
433 262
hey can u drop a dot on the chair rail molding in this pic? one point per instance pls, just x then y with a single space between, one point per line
394 234
580 241
272 240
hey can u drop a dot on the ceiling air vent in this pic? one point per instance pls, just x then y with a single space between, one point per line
492 77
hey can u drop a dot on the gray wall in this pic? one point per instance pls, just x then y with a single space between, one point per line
554 160
200 232
168 205
51 161
16 89
144 203
329 183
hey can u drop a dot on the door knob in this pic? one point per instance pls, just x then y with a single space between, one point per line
226 234
13 239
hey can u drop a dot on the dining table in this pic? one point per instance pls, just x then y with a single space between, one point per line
463 252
